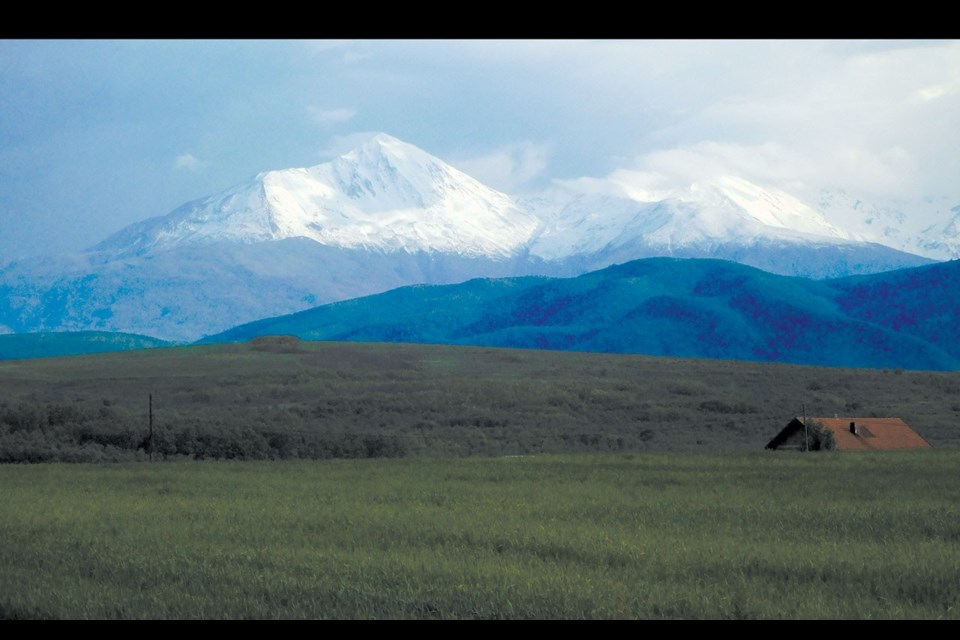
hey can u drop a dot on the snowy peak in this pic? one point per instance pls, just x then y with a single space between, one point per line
385 195
386 174
389 196
390 172
768 206
724 210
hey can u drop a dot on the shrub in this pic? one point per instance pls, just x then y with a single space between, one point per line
821 438
277 344
718 406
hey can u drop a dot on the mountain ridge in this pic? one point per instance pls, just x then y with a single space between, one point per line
389 195
385 194
388 214
665 306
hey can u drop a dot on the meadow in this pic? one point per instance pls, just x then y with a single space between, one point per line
644 535
281 398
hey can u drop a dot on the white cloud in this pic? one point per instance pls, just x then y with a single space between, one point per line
326 117
880 116
642 185
884 172
938 90
891 172
949 81
509 168
189 162
879 119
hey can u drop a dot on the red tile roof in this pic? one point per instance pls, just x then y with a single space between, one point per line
873 433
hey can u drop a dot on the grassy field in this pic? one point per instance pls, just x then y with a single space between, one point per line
645 535
283 399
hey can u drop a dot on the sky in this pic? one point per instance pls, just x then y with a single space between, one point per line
96 134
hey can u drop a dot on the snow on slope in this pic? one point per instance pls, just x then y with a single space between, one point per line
944 239
389 196
386 195
726 210
768 206
924 226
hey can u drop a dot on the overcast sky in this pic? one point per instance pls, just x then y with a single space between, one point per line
95 135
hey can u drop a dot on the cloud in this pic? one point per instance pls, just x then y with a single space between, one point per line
879 119
888 172
326 117
640 185
870 169
938 90
767 162
189 162
509 168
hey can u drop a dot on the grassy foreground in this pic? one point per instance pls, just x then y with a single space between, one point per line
653 535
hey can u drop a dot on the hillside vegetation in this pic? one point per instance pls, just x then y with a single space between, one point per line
281 398
47 345
662 306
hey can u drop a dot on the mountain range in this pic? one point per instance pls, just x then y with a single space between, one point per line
698 308
388 214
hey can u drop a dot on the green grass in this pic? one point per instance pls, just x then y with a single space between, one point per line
652 535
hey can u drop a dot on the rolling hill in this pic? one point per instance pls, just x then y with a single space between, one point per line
662 306
48 345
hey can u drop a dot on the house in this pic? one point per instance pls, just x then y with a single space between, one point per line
853 434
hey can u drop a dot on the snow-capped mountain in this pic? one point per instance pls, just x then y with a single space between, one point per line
591 226
388 214
945 239
385 195
723 211
902 225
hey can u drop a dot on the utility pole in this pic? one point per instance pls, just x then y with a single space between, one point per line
806 436
150 414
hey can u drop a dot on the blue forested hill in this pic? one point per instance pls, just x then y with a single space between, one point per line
662 306
922 302
46 345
